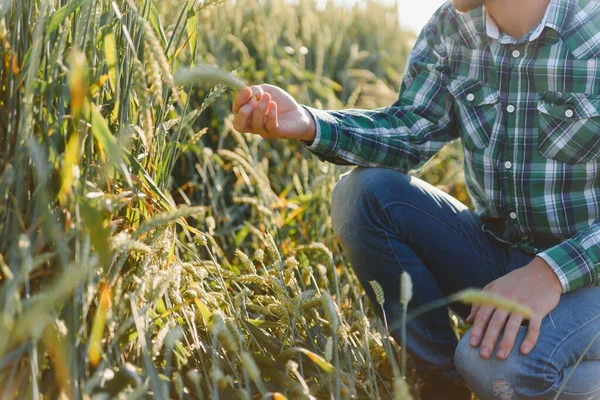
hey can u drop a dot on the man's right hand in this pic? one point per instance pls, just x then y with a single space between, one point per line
271 112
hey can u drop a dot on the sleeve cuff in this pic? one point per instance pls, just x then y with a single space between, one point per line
312 146
324 143
571 264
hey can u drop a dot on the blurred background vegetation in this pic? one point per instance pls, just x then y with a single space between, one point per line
149 249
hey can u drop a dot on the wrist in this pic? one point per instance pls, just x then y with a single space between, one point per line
310 131
547 274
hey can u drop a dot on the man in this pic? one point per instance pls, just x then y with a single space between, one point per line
518 81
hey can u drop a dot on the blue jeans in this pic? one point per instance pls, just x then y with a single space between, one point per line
389 222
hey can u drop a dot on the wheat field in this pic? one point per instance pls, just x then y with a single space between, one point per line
149 250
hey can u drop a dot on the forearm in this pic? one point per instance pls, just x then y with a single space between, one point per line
404 135
394 137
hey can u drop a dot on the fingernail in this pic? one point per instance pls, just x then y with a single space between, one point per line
485 352
473 340
526 348
501 354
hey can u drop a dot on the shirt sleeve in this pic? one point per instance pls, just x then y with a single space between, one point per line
408 133
576 261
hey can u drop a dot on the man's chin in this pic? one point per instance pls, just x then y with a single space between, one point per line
467 5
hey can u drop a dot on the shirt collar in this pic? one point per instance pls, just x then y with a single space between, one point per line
557 17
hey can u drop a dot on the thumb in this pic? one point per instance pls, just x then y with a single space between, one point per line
242 97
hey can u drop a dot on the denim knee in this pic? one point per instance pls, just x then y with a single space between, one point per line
357 200
517 377
483 376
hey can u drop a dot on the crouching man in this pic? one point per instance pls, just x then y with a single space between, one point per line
519 83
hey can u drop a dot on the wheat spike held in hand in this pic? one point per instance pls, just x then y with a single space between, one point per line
206 74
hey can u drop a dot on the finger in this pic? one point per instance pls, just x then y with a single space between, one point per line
492 333
481 320
241 123
510 334
258 118
471 317
272 119
533 332
241 98
257 91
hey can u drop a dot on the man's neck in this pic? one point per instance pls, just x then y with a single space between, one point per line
517 17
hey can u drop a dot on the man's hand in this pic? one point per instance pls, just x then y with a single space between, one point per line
271 112
535 286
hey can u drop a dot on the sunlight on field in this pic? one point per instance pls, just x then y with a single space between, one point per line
147 248
413 14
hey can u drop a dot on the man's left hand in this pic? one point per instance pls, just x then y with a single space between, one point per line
535 286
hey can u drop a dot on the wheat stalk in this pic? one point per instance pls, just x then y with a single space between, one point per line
378 290
245 261
472 296
406 293
202 74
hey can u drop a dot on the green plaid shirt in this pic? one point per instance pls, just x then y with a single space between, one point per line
527 113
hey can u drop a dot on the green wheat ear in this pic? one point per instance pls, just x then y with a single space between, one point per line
207 74
378 290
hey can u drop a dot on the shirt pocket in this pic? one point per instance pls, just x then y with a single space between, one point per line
476 107
569 126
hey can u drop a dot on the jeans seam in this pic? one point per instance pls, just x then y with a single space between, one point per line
576 394
459 233
414 293
561 343
387 236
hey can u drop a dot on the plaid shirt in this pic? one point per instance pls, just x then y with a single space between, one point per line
527 113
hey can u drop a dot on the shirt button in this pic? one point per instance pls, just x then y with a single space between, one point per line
470 97
516 53
510 108
508 165
513 215
569 113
